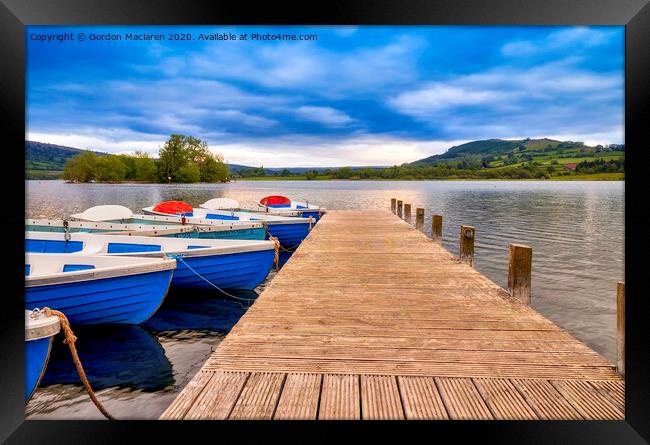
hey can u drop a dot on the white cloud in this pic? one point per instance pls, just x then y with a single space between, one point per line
105 142
574 37
304 151
557 85
438 96
324 115
327 152
307 65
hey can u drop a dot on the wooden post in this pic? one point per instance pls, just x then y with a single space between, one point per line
436 228
520 260
399 208
620 328
407 213
419 219
393 205
467 235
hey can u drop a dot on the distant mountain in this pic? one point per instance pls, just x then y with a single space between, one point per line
495 147
42 156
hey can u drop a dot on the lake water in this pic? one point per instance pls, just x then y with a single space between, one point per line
576 230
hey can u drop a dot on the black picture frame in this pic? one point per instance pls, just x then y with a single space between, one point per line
633 14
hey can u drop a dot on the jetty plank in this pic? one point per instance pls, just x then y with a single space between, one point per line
421 399
380 398
544 399
462 399
340 398
186 398
300 397
504 400
390 325
218 396
259 397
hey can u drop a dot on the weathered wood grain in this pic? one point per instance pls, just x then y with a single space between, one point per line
371 319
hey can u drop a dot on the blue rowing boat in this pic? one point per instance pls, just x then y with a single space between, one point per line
203 263
39 331
279 205
119 216
92 289
290 231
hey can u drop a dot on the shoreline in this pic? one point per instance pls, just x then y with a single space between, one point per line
599 177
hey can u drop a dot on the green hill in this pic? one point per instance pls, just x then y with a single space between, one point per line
46 161
499 153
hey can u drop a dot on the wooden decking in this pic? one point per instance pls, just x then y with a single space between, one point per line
370 319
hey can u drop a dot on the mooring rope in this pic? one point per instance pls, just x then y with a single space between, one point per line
276 243
70 339
179 258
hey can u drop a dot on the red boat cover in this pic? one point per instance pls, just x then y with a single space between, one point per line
173 207
275 200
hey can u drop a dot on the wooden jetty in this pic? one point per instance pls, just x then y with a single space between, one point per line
371 319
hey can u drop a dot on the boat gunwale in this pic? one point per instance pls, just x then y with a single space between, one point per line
215 225
205 221
118 271
43 327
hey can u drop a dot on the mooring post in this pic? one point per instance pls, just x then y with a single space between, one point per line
620 328
393 205
520 264
399 208
467 234
419 219
436 228
407 213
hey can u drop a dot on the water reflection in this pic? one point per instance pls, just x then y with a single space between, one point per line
112 356
200 310
127 364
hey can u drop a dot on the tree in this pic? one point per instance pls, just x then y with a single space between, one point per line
188 159
172 158
81 168
190 172
111 169
343 173
213 169
144 167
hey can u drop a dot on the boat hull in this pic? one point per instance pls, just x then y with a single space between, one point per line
244 270
37 353
130 299
315 215
289 235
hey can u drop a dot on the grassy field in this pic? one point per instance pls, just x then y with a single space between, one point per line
592 177
547 159
569 177
43 174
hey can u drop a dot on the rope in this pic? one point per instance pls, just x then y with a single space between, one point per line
276 242
179 258
70 339
278 246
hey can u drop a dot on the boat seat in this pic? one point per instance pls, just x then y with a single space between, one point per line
132 247
74 267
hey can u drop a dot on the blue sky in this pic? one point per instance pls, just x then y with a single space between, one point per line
370 95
